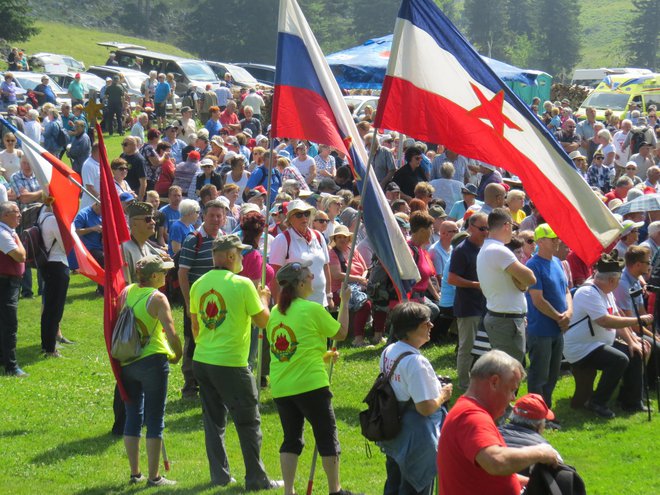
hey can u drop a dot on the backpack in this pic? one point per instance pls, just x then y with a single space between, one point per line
61 139
382 418
560 480
36 254
639 135
127 340
380 288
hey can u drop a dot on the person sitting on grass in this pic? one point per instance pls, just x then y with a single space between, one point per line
297 332
145 378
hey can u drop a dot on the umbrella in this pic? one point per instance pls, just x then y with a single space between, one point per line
648 202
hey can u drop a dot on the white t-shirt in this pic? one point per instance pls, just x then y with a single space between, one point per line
502 296
7 239
300 250
91 174
11 162
242 182
578 341
303 166
414 377
50 233
3 193
618 139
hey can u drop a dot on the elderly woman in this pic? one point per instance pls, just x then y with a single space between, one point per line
331 205
253 225
208 175
631 171
411 455
515 200
8 90
446 187
606 147
300 243
145 378
80 148
238 175
529 244
298 330
325 162
340 249
425 291
189 210
320 222
51 133
33 127
119 168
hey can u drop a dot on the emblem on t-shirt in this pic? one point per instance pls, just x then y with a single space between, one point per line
143 332
212 309
283 343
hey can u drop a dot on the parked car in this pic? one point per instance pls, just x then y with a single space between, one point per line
20 92
54 62
30 80
90 81
359 102
263 73
240 76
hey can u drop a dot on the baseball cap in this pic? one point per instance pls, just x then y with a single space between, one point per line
226 242
328 184
392 187
291 273
151 264
126 196
532 406
206 162
437 211
544 231
138 208
193 156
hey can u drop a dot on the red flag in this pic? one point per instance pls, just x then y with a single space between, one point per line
115 231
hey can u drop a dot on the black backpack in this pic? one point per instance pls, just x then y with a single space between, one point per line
560 480
382 418
637 136
61 138
36 254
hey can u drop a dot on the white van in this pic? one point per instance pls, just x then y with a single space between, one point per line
592 77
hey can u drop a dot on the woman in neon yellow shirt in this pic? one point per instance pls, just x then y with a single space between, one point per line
297 331
145 378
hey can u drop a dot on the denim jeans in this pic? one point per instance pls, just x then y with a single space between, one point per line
544 365
9 289
145 382
395 484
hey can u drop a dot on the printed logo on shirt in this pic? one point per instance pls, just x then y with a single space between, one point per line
283 342
212 309
143 331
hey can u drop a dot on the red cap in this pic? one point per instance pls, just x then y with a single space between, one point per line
532 406
77 76
261 189
194 156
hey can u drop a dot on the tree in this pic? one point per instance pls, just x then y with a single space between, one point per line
486 26
643 40
16 22
557 41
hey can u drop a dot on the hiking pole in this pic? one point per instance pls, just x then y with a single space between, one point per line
635 293
166 460
260 338
655 348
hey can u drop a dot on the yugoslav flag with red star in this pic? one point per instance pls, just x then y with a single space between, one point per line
438 89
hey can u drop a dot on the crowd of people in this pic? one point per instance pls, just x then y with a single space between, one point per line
495 278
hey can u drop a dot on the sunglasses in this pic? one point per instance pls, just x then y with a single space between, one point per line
148 219
121 168
300 214
322 220
631 168
529 241
483 229
599 157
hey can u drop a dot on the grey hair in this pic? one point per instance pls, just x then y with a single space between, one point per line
188 206
5 207
447 170
495 363
606 276
654 227
532 424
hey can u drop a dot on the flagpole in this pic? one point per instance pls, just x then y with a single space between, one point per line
349 264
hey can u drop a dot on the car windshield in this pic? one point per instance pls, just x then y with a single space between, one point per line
135 81
603 101
93 82
197 71
29 83
240 75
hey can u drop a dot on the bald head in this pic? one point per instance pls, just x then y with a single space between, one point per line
494 195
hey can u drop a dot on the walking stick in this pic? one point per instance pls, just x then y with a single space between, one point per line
166 460
349 264
635 293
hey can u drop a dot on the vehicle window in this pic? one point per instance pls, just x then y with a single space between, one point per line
604 101
651 100
242 76
197 71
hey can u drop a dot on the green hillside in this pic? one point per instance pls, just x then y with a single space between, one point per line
604 30
80 43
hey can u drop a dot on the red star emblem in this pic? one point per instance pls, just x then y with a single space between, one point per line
491 110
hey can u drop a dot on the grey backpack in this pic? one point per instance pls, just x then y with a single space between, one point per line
127 339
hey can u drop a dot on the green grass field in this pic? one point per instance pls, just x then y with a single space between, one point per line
55 424
80 43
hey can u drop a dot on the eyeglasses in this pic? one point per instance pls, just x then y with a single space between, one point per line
482 229
321 220
599 157
126 144
529 241
300 214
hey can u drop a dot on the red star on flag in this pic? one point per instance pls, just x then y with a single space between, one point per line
491 110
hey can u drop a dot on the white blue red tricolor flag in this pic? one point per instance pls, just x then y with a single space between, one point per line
438 89
308 105
53 176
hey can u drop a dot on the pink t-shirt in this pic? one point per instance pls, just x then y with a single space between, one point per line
252 266
357 268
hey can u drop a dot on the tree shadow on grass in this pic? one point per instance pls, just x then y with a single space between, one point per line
576 419
90 446
348 415
13 433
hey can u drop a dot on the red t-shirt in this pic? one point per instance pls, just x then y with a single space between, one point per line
467 430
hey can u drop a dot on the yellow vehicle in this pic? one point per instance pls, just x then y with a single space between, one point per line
618 92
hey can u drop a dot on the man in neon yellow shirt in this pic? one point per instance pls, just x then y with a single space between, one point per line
222 307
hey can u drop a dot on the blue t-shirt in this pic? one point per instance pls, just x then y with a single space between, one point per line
161 92
85 219
551 280
622 292
260 178
171 215
178 233
447 291
213 126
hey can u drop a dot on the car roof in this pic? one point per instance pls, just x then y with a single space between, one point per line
256 66
144 53
116 70
118 45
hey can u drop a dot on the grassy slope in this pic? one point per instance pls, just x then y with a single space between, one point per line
604 29
81 43
54 431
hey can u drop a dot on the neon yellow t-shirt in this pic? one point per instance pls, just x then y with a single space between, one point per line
223 304
298 342
137 297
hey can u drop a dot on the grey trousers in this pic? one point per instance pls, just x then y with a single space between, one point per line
506 335
467 330
225 389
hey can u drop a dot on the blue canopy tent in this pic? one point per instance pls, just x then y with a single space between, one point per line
364 67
